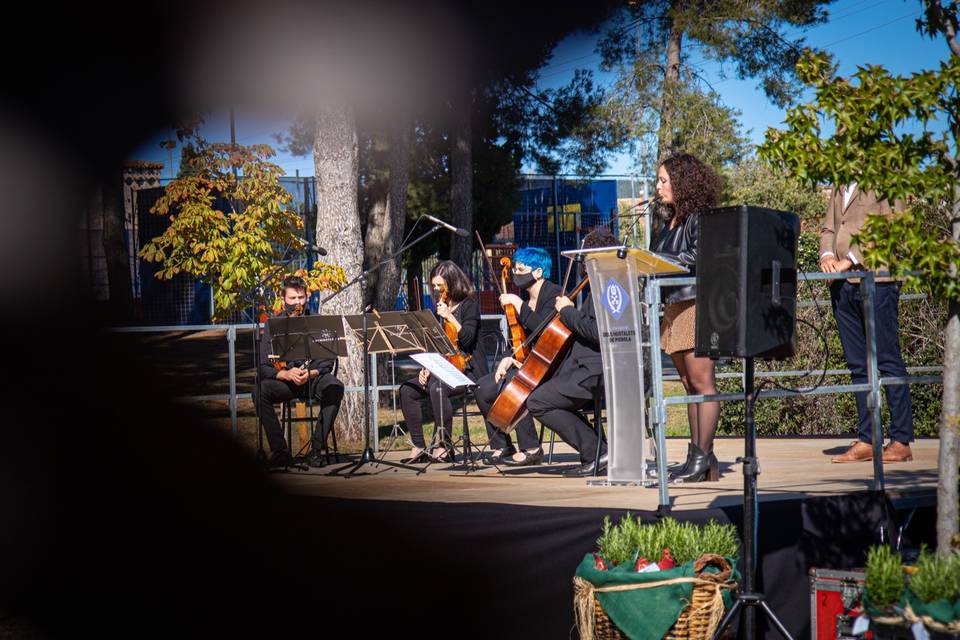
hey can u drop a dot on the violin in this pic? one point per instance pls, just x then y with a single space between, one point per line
546 356
517 335
458 359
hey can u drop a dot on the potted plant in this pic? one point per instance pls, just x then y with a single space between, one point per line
650 581
898 597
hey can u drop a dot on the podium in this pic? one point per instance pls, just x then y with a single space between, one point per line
615 274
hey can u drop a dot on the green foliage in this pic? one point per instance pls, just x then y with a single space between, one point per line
757 182
870 146
884 576
908 242
750 37
686 541
936 577
232 247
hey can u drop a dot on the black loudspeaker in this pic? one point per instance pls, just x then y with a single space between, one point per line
746 283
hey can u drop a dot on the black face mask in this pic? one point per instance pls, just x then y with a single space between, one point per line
292 309
436 294
524 280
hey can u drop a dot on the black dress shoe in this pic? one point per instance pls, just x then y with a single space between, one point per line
528 459
420 458
280 459
316 459
445 455
703 467
495 456
587 469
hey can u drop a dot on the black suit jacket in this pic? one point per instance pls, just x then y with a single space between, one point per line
583 360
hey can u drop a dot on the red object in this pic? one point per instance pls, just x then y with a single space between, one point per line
598 562
835 602
641 563
666 560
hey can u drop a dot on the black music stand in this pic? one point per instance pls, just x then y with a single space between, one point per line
304 338
367 455
390 332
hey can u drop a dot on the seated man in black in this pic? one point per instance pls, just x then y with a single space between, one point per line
278 385
531 268
558 401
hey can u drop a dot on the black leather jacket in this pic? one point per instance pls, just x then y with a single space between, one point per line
680 245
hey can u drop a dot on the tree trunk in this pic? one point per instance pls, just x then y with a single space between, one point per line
671 82
461 185
117 255
338 230
947 512
386 222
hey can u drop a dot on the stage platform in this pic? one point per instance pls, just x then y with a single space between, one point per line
797 468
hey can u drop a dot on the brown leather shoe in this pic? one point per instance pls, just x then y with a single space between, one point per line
859 451
897 452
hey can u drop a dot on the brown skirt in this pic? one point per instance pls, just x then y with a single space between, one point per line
677 329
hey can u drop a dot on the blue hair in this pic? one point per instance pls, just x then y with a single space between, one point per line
535 258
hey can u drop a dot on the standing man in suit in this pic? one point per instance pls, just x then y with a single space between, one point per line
846 213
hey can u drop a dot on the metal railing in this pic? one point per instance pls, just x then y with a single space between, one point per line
659 403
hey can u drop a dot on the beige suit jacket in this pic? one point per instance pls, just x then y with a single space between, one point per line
841 222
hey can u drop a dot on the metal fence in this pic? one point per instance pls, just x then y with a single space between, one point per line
657 413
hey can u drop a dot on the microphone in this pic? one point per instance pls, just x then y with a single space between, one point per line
309 247
446 225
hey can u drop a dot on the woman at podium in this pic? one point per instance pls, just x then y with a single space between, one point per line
686 186
459 312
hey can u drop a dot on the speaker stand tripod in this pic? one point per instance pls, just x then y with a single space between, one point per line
747 597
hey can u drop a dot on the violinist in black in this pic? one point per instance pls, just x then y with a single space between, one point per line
531 268
463 313
277 385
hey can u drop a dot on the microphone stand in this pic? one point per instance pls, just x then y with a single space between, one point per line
367 457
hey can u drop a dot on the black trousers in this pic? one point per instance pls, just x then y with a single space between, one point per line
487 391
556 403
848 310
327 393
412 393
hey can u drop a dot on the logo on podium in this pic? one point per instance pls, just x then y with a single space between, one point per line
614 298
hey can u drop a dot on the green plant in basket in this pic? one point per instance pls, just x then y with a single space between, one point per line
884 576
619 543
936 577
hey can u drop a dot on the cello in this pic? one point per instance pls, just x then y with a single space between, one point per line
547 354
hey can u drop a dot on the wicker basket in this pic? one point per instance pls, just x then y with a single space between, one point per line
697 621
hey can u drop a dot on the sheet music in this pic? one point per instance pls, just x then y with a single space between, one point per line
440 367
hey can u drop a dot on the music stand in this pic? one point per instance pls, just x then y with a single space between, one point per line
449 376
305 338
390 332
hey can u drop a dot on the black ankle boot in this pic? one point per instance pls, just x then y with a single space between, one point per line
681 467
704 466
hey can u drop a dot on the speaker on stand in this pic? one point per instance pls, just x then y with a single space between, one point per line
746 308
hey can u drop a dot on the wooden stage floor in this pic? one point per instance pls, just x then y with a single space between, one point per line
790 469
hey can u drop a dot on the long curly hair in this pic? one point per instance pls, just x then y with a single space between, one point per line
695 185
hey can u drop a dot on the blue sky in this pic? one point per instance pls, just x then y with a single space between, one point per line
859 32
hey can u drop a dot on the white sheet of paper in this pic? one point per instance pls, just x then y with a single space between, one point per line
438 366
